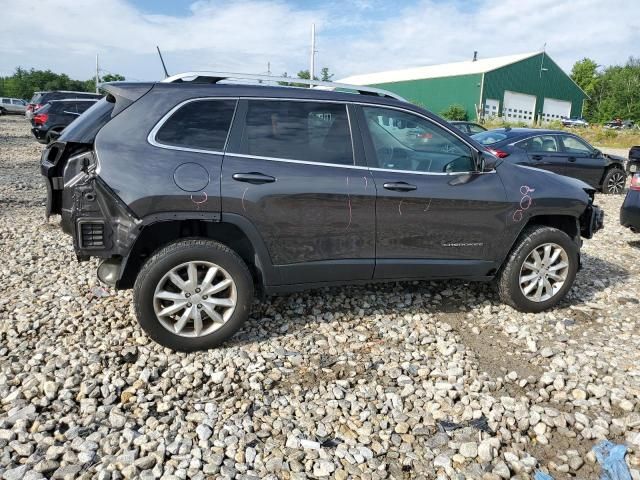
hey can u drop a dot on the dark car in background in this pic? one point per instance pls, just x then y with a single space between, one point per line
470 128
39 99
49 121
633 165
205 192
630 211
560 152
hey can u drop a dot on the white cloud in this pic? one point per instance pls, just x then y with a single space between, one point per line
359 36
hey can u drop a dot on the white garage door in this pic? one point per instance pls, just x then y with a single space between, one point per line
518 107
491 107
553 109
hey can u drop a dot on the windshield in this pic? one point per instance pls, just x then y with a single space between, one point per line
85 128
489 137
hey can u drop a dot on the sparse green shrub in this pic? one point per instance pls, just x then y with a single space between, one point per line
454 112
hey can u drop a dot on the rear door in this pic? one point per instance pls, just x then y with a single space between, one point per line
582 161
293 170
435 215
545 152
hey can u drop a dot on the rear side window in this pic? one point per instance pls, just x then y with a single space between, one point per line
200 124
82 107
6 101
542 143
309 131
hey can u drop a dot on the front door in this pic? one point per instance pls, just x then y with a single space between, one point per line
291 170
582 161
545 152
435 215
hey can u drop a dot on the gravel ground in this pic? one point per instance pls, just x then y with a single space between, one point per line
337 383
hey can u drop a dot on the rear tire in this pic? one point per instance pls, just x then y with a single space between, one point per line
199 312
2 111
551 264
614 181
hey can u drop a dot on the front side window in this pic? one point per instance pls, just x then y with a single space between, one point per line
200 124
403 141
542 143
310 131
573 145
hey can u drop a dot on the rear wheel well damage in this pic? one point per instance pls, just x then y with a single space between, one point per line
157 235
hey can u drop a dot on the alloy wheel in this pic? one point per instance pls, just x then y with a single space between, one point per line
616 183
544 272
195 299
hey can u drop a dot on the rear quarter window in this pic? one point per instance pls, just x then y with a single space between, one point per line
198 124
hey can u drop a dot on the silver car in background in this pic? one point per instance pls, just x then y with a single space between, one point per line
12 105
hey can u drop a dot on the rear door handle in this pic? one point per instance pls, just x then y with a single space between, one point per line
255 178
572 159
399 186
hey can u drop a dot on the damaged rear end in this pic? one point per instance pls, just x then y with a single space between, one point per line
592 219
100 224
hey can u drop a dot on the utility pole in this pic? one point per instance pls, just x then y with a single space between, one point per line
312 68
269 68
97 76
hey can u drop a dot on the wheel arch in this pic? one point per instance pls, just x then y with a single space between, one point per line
608 168
234 231
568 224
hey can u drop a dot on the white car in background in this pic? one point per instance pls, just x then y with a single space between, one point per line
12 105
574 122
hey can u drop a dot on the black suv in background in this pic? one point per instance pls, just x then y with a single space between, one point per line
49 121
206 191
39 99
560 152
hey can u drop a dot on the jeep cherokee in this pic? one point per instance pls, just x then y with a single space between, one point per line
199 190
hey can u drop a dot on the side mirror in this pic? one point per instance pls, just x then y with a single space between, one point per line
595 153
485 162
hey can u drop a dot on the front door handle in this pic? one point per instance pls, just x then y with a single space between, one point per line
572 159
399 186
255 178
537 157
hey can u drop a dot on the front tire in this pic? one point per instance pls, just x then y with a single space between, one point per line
540 269
614 181
193 295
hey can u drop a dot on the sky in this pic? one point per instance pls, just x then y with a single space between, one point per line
352 36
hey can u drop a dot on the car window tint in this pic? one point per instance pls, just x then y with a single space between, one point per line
489 137
16 102
542 143
309 131
202 124
6 100
473 129
403 141
83 106
573 145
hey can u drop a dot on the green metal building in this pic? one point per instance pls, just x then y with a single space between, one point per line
520 88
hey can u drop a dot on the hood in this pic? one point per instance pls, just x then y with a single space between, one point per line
555 178
615 158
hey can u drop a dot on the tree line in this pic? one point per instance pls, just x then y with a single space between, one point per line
614 91
23 83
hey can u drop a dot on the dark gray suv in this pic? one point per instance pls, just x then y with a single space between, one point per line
198 191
